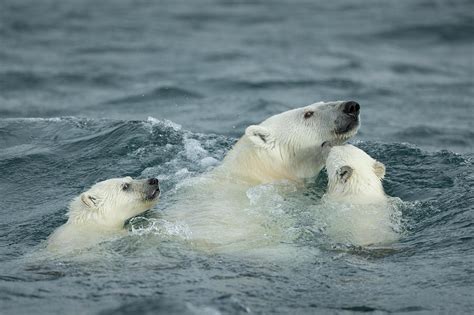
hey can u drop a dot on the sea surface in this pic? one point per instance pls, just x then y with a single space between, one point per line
91 90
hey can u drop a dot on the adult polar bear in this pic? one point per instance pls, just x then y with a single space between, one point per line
288 145
215 209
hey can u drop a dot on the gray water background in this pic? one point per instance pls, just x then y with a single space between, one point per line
215 67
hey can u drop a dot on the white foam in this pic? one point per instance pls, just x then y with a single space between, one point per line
49 119
208 162
164 122
193 150
142 226
264 194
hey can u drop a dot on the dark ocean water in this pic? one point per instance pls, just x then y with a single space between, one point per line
80 79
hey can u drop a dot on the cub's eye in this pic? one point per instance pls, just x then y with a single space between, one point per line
125 186
308 114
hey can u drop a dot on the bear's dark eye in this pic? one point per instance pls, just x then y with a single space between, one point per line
308 114
125 186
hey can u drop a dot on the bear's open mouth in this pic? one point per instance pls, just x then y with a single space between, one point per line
153 194
347 128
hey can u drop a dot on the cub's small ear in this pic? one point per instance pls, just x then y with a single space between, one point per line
260 136
345 173
89 200
379 169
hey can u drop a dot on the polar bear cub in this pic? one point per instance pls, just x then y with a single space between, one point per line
102 211
354 176
359 212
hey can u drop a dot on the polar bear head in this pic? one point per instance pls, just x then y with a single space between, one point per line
291 141
113 201
353 174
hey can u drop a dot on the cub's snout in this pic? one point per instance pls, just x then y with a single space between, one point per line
154 188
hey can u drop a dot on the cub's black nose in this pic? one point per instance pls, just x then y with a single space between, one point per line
153 181
351 108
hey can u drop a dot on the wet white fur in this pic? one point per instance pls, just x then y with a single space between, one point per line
364 184
357 208
99 212
286 145
214 208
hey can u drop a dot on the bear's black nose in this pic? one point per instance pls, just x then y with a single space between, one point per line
351 108
153 181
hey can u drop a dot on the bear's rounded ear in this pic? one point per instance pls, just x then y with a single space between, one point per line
379 169
88 200
260 136
344 173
